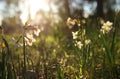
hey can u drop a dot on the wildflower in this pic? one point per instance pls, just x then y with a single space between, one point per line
69 20
29 39
79 44
3 45
106 27
29 35
75 35
36 31
88 41
30 32
73 22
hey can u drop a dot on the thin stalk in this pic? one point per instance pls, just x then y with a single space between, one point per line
18 65
104 66
13 65
31 63
10 56
24 56
113 46
3 64
93 63
113 39
107 51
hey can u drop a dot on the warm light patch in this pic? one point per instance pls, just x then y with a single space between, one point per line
32 6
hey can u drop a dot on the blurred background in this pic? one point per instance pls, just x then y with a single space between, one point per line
14 13
54 52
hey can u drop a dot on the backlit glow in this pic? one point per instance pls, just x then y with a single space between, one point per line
30 7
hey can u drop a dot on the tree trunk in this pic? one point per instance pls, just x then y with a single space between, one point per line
67 8
100 8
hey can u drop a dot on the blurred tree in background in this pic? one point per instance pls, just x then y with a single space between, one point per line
65 9
11 16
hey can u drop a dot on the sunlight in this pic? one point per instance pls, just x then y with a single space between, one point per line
32 6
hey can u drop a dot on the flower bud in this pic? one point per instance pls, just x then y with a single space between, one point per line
3 45
27 23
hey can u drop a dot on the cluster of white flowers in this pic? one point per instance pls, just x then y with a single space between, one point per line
79 43
30 32
72 22
106 27
29 39
79 36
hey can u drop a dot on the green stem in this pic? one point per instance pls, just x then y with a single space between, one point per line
113 46
107 51
24 60
18 65
113 39
3 64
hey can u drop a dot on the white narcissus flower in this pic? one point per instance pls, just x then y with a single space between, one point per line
73 22
79 44
36 32
29 32
75 35
29 39
29 35
69 20
88 41
106 27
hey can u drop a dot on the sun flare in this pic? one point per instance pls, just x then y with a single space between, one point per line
31 7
